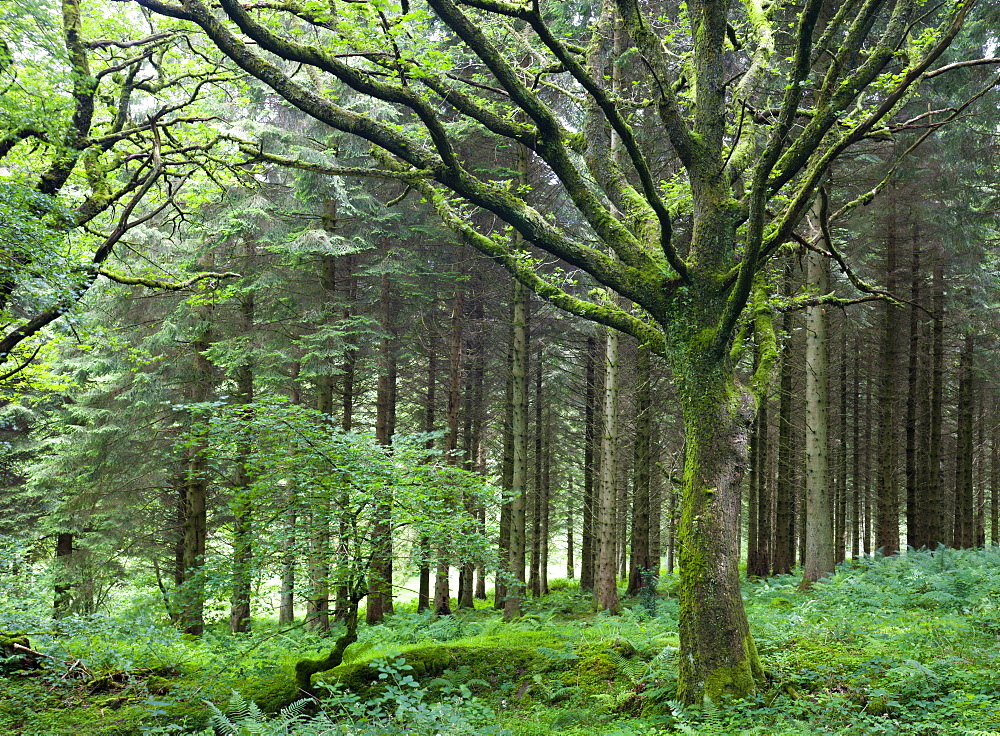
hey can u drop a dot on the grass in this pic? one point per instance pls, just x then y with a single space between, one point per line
903 645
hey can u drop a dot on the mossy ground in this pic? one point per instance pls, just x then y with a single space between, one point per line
907 645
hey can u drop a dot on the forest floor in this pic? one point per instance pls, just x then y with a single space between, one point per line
900 645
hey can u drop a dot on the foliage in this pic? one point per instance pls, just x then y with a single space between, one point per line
901 668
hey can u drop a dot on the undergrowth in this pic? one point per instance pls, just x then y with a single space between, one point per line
904 645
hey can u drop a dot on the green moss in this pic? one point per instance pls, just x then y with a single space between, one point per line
495 665
273 691
737 680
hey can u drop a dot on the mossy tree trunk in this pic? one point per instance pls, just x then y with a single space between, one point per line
718 654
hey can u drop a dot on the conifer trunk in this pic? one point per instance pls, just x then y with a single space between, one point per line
914 532
380 572
519 470
534 573
587 545
964 533
442 587
191 595
606 562
642 575
887 531
820 556
239 613
784 526
935 520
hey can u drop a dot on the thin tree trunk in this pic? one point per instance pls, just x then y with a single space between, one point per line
318 602
192 592
964 498
590 443
979 530
753 476
856 486
935 521
867 495
534 574
887 532
380 572
507 473
784 527
519 471
239 612
430 404
820 557
914 533
63 588
605 577
840 528
642 575
545 505
477 410
286 605
570 561
994 486
442 588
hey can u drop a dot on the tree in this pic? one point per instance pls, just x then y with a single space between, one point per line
79 161
753 130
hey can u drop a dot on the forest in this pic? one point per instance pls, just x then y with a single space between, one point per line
431 367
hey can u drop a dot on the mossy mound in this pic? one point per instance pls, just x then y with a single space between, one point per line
274 692
491 667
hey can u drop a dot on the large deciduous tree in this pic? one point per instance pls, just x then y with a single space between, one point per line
718 121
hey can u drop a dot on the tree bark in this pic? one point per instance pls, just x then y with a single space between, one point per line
442 588
519 471
380 571
994 486
914 389
192 591
642 575
430 406
820 556
587 545
717 418
784 526
606 567
856 486
934 521
840 526
964 534
318 566
534 571
63 589
887 498
242 506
